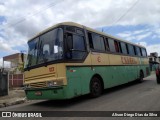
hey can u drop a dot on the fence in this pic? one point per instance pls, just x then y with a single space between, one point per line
3 84
15 80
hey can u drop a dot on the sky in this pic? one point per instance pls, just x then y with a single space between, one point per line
137 21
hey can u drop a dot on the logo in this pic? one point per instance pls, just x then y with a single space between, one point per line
99 59
6 114
51 69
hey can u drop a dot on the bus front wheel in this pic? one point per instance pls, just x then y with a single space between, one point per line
96 87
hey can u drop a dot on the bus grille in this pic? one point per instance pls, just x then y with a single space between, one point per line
38 85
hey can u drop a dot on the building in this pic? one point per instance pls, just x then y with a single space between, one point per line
154 60
15 69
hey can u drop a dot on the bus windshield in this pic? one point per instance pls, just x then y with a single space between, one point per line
45 48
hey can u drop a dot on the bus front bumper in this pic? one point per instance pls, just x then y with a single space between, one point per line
46 93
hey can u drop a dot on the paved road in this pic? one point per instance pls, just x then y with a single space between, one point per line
134 96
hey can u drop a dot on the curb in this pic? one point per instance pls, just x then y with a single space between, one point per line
19 101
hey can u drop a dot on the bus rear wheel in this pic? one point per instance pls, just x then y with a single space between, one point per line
96 87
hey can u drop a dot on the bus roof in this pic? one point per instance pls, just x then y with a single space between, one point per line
87 28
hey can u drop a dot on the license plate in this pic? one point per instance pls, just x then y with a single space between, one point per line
38 93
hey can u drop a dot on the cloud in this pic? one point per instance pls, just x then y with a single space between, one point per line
91 13
25 18
140 34
154 48
135 35
140 37
1 62
6 64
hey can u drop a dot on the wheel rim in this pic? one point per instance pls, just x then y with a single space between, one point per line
96 87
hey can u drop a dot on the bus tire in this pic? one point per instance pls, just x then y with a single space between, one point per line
96 87
141 76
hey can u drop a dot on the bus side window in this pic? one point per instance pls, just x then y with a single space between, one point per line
120 47
79 48
75 46
144 53
106 44
111 45
131 50
96 42
117 47
134 47
141 51
124 48
127 48
90 40
138 51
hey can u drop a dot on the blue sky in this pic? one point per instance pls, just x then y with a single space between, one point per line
20 20
136 34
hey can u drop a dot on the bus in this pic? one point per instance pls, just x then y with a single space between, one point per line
69 60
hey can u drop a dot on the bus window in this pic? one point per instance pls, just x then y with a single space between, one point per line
106 44
98 42
78 42
79 31
120 48
134 47
75 46
131 50
90 40
144 53
116 46
79 48
138 51
124 48
141 51
111 45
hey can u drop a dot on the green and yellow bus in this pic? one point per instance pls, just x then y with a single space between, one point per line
69 60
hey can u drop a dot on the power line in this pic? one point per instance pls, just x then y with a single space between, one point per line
35 13
123 15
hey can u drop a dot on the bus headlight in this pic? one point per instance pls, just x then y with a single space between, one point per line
54 83
50 83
